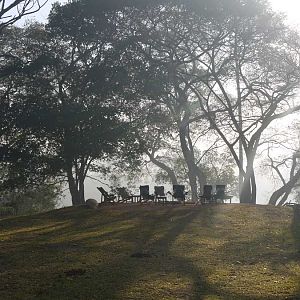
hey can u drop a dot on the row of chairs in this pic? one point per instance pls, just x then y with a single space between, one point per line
124 196
214 197
178 195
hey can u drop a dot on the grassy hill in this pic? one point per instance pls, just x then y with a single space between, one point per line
152 252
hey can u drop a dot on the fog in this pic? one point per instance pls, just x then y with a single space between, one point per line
265 184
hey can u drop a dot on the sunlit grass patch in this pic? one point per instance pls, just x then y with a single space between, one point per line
152 252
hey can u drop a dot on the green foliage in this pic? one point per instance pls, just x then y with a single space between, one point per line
26 154
7 211
32 200
219 168
64 103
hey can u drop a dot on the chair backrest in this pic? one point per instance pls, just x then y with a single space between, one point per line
220 190
102 191
144 190
178 191
207 190
159 190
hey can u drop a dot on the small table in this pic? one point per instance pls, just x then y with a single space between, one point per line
224 197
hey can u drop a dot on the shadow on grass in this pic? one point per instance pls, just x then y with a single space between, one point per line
268 252
118 275
296 235
153 232
126 272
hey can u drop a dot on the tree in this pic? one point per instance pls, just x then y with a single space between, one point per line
33 199
248 77
282 150
229 67
160 39
280 196
68 98
131 19
24 160
165 41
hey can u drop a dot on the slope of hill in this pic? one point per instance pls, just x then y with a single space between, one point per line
152 252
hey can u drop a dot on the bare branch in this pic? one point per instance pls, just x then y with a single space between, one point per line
17 9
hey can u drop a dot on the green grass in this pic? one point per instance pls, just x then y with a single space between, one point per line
152 252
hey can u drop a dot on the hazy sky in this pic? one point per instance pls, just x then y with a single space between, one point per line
290 7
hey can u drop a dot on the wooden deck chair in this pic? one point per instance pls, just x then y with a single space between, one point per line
145 195
179 192
220 194
159 192
124 195
207 196
106 197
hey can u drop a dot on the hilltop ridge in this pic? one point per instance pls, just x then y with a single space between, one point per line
152 252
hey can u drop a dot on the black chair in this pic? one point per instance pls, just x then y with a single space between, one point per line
145 195
220 193
124 195
179 193
159 192
207 196
106 197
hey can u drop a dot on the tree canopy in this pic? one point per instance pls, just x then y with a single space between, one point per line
111 79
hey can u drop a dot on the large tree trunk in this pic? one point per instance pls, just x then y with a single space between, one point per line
201 178
253 188
285 197
81 191
246 195
248 190
76 190
196 170
190 161
193 184
280 196
283 192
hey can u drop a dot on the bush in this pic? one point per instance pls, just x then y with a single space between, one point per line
33 200
7 211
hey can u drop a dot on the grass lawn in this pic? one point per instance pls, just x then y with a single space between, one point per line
152 252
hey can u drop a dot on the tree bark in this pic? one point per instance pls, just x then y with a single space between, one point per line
190 161
253 187
248 190
201 178
196 170
284 191
76 190
245 195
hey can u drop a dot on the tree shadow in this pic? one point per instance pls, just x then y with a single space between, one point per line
158 233
157 259
153 235
160 250
270 253
296 234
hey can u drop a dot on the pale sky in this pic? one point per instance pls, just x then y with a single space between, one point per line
290 7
